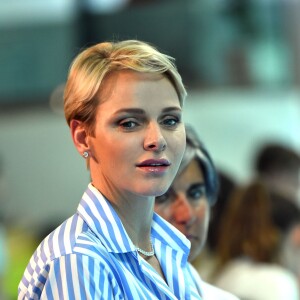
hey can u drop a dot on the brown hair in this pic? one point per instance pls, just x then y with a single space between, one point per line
246 226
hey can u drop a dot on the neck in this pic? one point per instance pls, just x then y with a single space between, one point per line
135 212
136 216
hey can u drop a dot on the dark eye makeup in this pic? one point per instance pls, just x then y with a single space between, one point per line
128 124
170 121
165 197
195 192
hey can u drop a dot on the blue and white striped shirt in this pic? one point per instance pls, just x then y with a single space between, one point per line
90 256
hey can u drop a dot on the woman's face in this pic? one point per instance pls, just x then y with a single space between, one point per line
186 207
139 136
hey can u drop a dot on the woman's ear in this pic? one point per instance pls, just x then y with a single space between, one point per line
79 136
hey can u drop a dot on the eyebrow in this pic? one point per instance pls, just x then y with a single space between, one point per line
140 111
198 184
130 110
172 108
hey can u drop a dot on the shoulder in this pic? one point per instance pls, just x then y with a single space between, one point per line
63 239
278 276
60 242
208 291
275 282
214 293
70 275
267 281
79 265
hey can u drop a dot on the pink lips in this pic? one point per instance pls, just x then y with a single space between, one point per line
154 165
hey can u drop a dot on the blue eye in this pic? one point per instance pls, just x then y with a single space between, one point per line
196 192
128 125
170 122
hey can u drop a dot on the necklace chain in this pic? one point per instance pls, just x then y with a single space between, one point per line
146 253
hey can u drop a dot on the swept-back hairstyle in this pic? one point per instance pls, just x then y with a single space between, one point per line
195 149
90 68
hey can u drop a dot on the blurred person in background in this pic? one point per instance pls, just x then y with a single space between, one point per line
286 217
123 103
226 185
186 205
248 249
278 166
206 262
290 250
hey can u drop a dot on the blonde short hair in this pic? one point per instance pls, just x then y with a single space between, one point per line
95 63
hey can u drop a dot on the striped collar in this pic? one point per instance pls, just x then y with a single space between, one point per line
103 220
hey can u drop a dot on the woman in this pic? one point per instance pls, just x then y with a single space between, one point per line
186 205
123 103
248 249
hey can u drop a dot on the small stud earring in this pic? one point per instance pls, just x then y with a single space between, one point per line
85 154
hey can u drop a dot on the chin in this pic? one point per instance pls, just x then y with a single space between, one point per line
156 188
159 193
162 188
154 191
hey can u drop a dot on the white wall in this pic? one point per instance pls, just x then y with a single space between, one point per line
234 124
44 177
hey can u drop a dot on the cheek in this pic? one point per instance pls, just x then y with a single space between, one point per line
118 148
177 142
180 151
176 153
181 144
203 212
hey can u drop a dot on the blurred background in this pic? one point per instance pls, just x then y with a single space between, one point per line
240 62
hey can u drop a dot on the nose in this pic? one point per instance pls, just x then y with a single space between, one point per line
154 139
183 211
